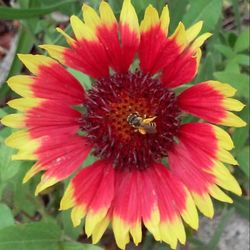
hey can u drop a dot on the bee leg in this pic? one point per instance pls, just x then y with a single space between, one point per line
142 131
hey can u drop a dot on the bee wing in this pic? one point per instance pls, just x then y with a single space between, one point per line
148 120
147 129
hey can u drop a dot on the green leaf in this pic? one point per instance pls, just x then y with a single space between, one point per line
116 6
242 205
241 135
243 159
68 9
242 42
59 39
230 36
236 9
23 194
207 11
232 66
4 132
2 113
237 80
177 9
68 228
89 160
196 243
79 246
227 214
6 218
206 69
31 24
141 5
81 77
8 168
224 50
13 14
243 59
33 236
24 3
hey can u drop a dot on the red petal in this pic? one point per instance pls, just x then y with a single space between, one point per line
51 113
94 186
195 153
89 57
109 38
182 70
210 100
204 137
171 200
184 167
129 44
156 51
55 83
203 101
62 155
59 159
126 203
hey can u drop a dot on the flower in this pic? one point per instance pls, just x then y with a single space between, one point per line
131 121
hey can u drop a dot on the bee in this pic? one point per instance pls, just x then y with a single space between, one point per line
143 125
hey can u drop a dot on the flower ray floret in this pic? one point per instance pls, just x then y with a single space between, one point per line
151 168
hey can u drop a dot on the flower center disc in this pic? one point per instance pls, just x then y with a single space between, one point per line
112 101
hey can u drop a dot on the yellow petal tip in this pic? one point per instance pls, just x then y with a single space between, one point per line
45 183
24 57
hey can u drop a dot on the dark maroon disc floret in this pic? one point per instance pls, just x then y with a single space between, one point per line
111 101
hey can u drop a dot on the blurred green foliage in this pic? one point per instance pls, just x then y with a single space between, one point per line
34 223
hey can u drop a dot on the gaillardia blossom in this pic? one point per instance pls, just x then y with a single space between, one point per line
152 169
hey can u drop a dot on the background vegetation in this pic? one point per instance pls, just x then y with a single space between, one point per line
34 223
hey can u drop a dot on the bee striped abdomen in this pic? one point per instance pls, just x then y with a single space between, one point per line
143 125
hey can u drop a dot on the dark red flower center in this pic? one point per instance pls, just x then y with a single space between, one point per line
131 119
